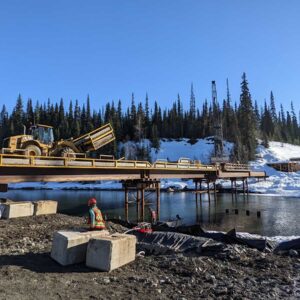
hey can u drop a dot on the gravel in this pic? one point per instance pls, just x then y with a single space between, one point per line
233 272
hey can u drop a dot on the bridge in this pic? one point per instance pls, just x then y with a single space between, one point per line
135 175
20 168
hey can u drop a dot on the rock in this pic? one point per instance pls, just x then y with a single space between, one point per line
210 278
293 253
221 291
106 280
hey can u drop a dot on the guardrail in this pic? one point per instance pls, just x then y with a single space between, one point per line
180 165
16 160
236 167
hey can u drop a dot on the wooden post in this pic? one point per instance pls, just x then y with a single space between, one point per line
3 188
143 203
126 202
231 188
215 191
196 190
235 189
137 204
200 190
247 187
244 191
208 190
158 200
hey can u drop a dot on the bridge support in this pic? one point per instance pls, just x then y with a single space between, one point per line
3 188
138 187
126 203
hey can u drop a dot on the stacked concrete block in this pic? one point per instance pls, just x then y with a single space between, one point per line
111 252
45 207
69 247
11 209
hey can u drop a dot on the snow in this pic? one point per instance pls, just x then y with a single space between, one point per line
278 183
172 150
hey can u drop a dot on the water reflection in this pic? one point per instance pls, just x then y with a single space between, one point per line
279 215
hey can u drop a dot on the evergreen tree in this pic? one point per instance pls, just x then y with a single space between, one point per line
18 117
247 121
192 104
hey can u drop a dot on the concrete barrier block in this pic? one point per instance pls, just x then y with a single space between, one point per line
111 252
45 207
11 210
69 247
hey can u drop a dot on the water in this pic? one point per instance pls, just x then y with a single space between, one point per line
279 215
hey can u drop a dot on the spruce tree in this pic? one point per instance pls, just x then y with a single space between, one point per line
247 121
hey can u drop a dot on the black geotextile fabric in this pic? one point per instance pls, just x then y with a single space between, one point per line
288 245
196 231
162 242
230 237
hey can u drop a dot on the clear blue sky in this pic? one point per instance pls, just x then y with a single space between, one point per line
109 49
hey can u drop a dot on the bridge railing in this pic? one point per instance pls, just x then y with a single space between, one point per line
235 167
173 165
17 160
46 161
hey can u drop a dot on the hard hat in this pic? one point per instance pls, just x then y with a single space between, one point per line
92 201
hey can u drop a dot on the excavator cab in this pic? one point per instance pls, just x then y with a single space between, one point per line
42 133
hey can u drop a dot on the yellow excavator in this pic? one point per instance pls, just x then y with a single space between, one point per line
40 142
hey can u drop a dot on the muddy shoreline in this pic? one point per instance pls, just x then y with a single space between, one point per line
28 272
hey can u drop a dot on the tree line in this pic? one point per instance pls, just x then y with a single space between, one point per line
242 121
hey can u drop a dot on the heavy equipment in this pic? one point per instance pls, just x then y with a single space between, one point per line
40 142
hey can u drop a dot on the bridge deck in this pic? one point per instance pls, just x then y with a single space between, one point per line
19 168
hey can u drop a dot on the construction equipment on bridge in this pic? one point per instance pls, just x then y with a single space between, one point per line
219 156
40 142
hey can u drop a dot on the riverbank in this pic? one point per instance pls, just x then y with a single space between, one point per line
28 272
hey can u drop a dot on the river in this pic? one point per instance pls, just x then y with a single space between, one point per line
279 215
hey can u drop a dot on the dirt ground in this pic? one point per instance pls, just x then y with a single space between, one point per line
28 272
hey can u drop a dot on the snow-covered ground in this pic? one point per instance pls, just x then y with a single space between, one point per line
278 183
173 150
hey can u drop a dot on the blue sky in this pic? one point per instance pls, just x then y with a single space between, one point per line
109 49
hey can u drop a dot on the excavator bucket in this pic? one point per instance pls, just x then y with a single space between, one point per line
95 139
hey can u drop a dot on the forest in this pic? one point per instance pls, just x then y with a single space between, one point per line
243 122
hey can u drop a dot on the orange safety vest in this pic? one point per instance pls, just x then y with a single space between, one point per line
98 222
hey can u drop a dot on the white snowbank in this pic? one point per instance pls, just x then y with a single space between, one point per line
278 183
202 150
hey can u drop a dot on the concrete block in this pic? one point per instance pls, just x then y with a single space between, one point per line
69 247
11 210
111 252
45 207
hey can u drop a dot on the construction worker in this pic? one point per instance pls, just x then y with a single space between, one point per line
153 216
95 216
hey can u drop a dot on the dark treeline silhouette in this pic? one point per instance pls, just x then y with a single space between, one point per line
243 121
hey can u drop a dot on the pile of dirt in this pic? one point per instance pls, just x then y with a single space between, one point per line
232 272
